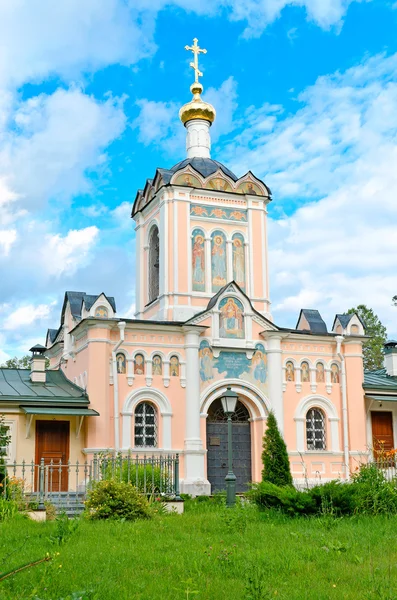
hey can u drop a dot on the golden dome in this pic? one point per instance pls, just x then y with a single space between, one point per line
197 108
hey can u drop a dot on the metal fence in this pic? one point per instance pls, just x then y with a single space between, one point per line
67 483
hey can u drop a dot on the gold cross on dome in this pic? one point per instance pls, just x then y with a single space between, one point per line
196 51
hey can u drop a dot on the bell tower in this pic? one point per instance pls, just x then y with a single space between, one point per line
199 226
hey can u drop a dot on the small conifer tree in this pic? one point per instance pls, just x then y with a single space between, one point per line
276 467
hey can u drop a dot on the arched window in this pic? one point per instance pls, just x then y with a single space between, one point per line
139 364
334 373
157 365
305 372
354 330
145 425
120 362
289 371
101 312
315 430
174 366
320 373
154 264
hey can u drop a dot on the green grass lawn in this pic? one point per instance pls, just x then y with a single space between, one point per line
207 553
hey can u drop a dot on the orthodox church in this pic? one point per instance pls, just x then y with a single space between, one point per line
203 322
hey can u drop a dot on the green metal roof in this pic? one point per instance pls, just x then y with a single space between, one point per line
379 380
50 410
15 385
384 398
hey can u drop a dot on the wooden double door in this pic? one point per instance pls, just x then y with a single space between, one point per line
52 445
382 432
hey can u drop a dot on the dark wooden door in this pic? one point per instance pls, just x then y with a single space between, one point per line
382 432
217 466
52 444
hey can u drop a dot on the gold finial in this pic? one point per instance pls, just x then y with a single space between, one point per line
196 51
196 108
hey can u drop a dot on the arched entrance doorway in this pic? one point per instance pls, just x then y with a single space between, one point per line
217 446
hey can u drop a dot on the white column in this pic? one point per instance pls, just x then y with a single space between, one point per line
208 265
194 481
229 260
275 373
247 270
198 140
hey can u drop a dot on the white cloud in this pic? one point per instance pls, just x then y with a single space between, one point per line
65 254
338 152
7 239
67 38
26 315
58 139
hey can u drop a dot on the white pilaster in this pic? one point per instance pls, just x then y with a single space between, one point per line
247 270
275 374
208 265
229 260
138 270
194 481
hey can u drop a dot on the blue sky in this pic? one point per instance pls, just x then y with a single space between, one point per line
306 94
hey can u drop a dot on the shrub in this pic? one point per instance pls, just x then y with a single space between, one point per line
110 499
276 467
149 478
286 498
335 498
375 495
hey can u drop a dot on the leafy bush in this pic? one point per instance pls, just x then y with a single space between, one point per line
375 495
368 493
335 497
110 499
276 467
148 478
287 499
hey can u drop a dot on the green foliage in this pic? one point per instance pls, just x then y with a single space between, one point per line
17 363
110 499
147 478
374 494
367 494
65 528
20 363
286 498
372 348
334 498
276 467
8 509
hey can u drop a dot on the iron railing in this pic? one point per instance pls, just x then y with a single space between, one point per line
68 483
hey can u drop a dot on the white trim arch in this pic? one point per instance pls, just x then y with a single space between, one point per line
219 228
258 406
331 415
242 233
163 407
154 222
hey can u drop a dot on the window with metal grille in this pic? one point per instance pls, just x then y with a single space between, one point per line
315 430
145 425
